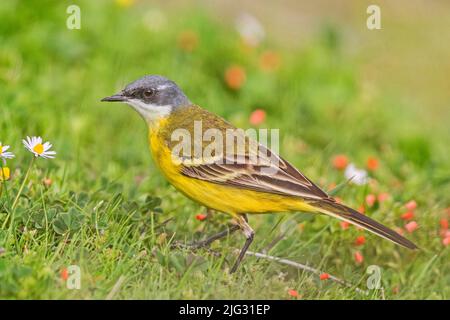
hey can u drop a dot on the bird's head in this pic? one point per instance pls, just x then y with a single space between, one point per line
153 97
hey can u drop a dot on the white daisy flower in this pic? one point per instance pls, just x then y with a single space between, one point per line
3 152
357 176
250 29
35 146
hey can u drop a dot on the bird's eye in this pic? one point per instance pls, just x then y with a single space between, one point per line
148 93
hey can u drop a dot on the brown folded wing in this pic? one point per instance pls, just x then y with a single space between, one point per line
278 176
257 168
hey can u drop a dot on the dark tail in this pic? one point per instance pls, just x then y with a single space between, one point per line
345 213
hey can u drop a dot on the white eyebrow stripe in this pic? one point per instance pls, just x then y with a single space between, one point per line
163 86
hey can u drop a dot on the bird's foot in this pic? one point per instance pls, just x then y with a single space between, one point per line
192 246
249 235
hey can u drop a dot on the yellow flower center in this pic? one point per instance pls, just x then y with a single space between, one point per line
1 148
39 148
5 174
125 3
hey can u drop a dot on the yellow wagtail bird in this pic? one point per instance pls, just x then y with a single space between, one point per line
221 183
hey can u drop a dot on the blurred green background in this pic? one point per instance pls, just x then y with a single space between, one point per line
331 85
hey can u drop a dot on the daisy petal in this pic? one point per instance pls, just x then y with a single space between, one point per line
37 148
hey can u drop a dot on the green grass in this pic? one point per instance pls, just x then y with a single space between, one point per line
108 209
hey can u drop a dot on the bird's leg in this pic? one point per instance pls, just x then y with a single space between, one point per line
249 234
209 212
208 241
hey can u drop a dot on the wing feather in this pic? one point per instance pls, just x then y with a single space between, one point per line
283 179
254 168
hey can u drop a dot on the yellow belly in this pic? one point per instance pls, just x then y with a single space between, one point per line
219 197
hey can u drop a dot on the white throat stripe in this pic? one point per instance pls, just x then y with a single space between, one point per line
150 112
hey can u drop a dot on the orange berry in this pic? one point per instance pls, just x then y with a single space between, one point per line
383 196
47 182
358 257
269 61
445 233
446 241
324 276
411 205
340 162
235 77
201 217
371 199
344 225
372 164
360 240
408 215
257 117
293 293
411 226
444 223
64 274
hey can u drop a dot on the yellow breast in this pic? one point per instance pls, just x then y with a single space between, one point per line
218 197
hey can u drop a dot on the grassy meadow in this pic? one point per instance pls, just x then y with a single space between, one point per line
102 205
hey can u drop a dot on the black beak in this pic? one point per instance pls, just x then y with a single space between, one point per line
116 97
